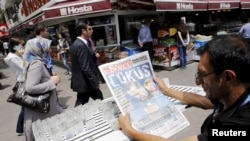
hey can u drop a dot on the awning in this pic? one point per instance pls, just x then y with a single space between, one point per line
143 2
181 5
76 7
35 20
245 4
223 4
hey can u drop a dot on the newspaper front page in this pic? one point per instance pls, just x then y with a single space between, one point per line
130 81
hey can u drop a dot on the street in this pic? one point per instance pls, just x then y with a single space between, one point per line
10 111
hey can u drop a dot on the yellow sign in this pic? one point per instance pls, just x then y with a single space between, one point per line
172 31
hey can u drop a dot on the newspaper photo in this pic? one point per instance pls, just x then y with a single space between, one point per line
130 81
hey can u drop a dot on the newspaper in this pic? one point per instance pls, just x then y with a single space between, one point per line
130 81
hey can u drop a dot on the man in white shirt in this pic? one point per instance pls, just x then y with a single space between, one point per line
145 39
245 31
6 46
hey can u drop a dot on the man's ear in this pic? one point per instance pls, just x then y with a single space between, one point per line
229 75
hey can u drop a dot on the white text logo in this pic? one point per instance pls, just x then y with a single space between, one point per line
184 6
73 10
225 5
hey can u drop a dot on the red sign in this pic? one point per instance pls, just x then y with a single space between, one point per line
77 7
30 6
3 29
245 4
181 5
223 4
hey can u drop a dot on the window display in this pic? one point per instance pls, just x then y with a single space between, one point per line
131 26
104 30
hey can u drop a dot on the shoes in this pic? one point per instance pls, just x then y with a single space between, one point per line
19 134
183 68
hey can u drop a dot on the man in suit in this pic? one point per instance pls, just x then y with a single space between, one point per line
84 78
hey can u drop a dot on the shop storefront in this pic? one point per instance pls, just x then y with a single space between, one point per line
245 4
118 22
166 47
111 24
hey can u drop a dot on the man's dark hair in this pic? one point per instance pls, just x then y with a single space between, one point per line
39 28
63 35
29 29
229 52
79 27
147 21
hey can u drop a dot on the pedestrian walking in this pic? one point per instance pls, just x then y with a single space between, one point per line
84 78
63 48
6 45
17 65
39 79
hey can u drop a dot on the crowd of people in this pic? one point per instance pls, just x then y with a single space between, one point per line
222 72
31 62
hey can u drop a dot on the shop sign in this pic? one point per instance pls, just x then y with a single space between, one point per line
75 10
3 29
181 5
245 4
76 7
185 6
225 6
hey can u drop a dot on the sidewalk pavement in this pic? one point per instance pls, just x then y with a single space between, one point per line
10 112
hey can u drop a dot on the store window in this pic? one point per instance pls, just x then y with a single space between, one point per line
104 31
130 26
53 35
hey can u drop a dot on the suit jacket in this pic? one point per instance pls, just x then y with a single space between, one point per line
84 70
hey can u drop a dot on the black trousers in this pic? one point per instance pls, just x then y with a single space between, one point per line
83 98
148 46
248 41
20 121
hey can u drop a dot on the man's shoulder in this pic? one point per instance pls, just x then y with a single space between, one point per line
241 116
246 25
75 45
77 42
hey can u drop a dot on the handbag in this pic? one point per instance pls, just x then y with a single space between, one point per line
36 102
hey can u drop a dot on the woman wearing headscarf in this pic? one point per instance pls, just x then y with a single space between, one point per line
39 80
17 65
